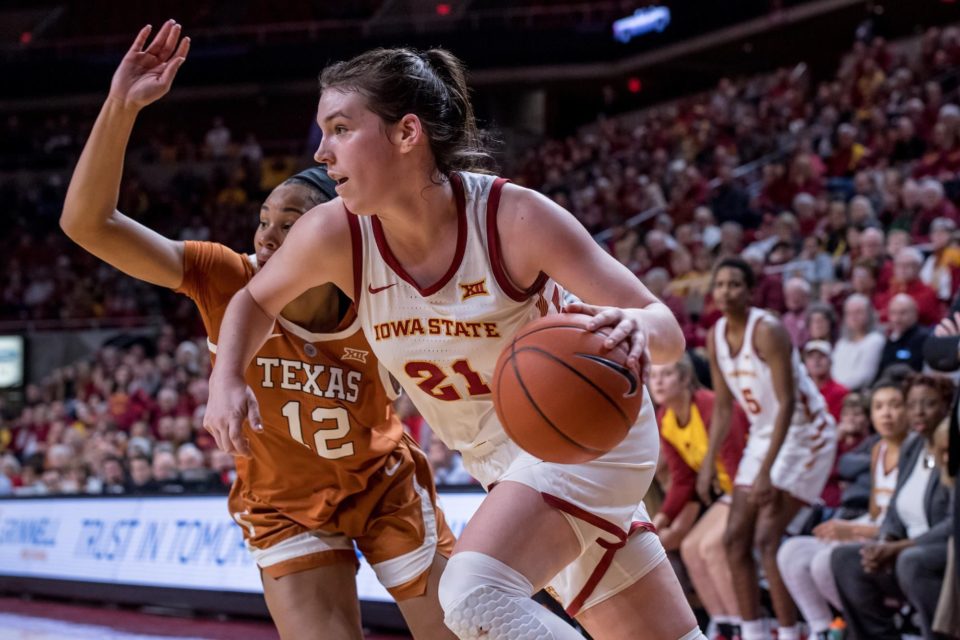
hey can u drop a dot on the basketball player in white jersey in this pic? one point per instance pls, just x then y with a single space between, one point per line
790 447
445 266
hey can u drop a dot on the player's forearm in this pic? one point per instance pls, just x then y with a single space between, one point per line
665 340
243 331
719 428
95 186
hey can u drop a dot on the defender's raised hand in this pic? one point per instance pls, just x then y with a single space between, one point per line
146 74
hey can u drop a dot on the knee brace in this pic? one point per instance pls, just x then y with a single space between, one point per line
484 599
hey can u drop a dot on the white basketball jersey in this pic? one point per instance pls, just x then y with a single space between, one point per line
442 341
750 381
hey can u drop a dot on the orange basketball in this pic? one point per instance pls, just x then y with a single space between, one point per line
561 395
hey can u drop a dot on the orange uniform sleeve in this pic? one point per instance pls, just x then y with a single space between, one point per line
212 274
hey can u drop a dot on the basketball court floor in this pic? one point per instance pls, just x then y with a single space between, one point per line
54 620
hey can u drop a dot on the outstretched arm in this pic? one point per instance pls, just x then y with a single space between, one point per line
89 215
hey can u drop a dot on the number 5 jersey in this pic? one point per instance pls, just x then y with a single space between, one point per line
804 461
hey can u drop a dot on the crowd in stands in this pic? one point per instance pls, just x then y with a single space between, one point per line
851 229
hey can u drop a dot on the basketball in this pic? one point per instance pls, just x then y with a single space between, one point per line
561 395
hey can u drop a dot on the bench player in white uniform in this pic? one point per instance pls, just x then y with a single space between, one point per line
450 267
790 447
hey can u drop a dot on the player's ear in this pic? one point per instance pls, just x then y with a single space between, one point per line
408 133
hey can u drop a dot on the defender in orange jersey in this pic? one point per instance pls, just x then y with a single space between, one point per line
331 466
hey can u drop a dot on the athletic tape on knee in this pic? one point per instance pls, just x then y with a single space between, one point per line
482 598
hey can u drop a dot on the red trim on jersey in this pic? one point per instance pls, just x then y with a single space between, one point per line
496 254
611 547
356 239
395 265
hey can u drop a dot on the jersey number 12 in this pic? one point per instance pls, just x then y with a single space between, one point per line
339 415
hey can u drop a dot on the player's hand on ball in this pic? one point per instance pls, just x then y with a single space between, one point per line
146 74
231 402
627 329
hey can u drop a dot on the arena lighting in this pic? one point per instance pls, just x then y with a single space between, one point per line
443 9
642 21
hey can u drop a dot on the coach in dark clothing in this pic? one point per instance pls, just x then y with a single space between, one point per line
905 341
899 565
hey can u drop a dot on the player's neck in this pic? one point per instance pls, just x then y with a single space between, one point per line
738 319
423 236
316 310
419 215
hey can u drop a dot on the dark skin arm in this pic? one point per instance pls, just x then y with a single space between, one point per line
876 557
719 424
774 346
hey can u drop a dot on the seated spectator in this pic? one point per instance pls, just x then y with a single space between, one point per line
165 472
856 357
684 413
657 280
933 205
731 240
804 561
768 294
847 493
818 266
687 282
821 322
112 477
816 358
909 558
905 336
659 247
730 202
909 145
861 212
141 476
872 249
796 296
805 208
705 226
848 155
194 476
863 279
941 270
906 279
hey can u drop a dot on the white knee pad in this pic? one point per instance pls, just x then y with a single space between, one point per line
484 599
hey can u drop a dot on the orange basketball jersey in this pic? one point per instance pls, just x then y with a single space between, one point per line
326 392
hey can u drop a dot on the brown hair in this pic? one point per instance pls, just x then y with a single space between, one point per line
431 85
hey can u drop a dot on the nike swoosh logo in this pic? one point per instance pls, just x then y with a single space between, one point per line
617 367
373 289
392 469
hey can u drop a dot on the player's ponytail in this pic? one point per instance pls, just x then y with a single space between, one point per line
431 85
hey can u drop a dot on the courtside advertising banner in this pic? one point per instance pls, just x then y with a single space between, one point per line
175 542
